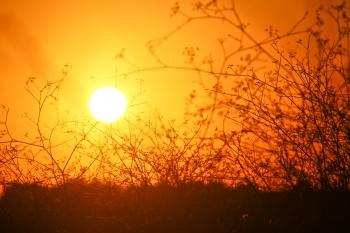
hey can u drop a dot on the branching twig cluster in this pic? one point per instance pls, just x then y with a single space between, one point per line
284 126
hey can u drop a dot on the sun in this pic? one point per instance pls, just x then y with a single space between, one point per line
107 104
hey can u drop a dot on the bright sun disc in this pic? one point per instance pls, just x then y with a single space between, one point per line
107 104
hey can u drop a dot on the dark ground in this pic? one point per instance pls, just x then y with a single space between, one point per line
83 208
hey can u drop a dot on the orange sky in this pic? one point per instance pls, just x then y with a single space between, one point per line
38 37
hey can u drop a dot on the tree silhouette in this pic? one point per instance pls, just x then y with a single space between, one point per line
286 126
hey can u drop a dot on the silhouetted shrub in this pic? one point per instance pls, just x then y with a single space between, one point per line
81 207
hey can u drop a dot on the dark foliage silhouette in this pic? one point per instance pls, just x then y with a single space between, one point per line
96 207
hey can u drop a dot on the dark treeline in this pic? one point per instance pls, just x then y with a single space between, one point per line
94 207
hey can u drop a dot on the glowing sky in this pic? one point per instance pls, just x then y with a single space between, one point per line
38 37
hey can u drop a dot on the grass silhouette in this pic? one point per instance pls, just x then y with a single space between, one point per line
96 207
